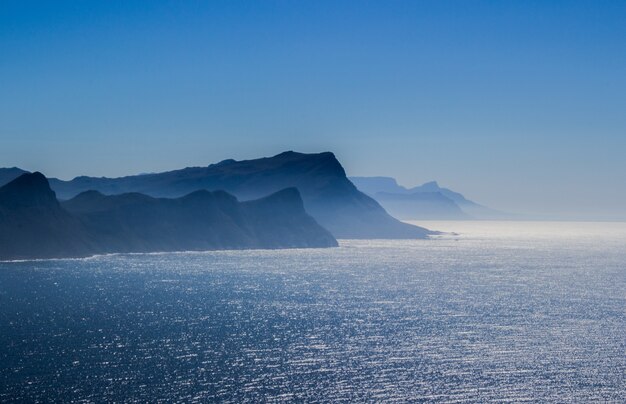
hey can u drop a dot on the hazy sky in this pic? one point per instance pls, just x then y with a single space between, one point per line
520 105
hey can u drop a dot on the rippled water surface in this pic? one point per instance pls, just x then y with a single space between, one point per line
502 312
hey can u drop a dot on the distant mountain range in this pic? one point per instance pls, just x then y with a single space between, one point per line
425 202
328 194
34 224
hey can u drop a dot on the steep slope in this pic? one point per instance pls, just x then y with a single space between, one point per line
33 224
328 194
373 185
281 218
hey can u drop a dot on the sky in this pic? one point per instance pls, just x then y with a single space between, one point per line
520 105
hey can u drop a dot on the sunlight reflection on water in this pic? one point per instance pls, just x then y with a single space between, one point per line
505 311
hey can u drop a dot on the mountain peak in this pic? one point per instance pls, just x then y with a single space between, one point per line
223 163
15 169
28 190
285 200
290 195
9 174
430 186
297 155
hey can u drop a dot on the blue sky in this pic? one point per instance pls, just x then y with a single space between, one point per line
521 105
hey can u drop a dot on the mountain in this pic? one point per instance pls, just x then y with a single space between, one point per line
9 174
433 186
421 206
202 220
33 224
427 201
328 194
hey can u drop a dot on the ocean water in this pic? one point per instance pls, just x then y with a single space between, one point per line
500 312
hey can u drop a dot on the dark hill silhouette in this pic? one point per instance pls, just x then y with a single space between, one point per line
328 194
33 224
9 174
202 220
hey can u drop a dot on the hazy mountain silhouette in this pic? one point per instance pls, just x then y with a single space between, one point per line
421 205
33 224
328 194
374 185
9 174
427 201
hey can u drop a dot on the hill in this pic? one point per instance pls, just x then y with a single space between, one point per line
33 224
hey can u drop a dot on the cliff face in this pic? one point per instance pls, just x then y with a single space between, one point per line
328 194
33 224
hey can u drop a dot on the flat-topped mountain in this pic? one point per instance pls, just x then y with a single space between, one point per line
427 201
33 224
328 194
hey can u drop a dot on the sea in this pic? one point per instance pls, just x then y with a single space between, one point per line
488 312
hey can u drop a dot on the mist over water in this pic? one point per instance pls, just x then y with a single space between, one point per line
505 311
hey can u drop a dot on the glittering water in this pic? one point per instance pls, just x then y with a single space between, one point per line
502 312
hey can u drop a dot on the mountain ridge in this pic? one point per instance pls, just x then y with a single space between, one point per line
421 202
328 195
34 224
